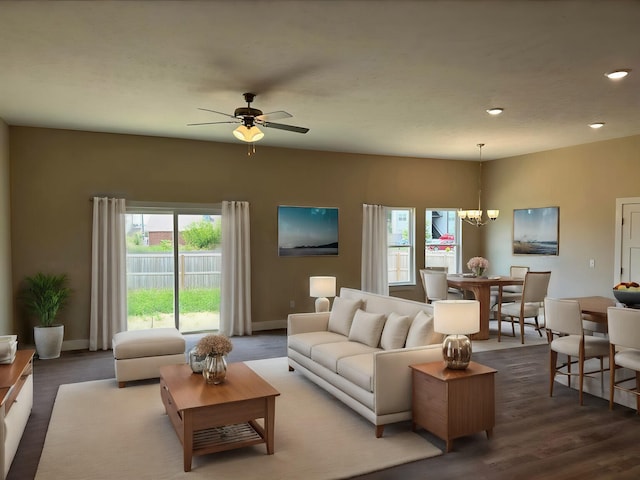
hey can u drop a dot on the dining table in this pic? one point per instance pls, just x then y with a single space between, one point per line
481 289
595 306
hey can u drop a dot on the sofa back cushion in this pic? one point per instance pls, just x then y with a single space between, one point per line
342 314
367 327
395 331
421 331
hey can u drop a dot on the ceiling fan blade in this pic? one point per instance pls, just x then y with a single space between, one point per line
214 111
209 123
281 126
279 115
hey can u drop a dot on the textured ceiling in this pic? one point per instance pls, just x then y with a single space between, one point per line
407 78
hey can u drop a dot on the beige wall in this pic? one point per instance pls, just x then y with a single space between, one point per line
6 290
584 181
54 173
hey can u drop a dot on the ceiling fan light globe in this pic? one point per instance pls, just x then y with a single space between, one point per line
251 134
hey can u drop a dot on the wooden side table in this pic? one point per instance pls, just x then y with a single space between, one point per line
453 403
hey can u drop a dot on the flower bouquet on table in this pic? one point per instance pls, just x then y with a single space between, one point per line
478 265
216 348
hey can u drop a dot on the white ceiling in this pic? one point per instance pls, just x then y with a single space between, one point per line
407 78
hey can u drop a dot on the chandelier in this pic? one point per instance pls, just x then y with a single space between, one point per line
474 217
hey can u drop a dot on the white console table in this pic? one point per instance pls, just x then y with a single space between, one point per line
16 401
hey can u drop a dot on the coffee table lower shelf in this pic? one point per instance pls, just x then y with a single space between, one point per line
228 437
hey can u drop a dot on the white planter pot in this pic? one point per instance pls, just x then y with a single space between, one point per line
48 341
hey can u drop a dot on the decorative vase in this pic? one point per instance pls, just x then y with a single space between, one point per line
215 369
478 271
48 341
196 362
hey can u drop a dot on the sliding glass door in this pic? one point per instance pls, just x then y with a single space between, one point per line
173 267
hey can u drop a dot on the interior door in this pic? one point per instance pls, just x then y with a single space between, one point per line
630 249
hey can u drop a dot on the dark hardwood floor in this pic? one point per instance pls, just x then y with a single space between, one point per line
535 436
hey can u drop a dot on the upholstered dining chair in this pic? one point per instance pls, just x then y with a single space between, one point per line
510 293
534 290
436 286
565 333
624 350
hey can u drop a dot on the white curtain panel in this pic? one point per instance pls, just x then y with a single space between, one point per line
235 301
374 249
108 272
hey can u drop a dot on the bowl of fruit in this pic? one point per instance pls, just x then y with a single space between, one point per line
627 293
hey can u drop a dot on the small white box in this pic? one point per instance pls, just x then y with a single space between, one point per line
8 347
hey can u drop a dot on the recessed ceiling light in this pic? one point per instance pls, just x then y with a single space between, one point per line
495 111
596 124
617 74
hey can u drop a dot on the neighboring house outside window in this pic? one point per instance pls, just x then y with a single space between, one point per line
401 245
442 240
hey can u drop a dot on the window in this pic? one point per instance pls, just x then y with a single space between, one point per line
401 245
442 240
173 267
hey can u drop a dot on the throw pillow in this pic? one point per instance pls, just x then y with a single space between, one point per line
395 331
341 315
421 330
367 328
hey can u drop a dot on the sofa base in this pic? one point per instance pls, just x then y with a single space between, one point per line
379 421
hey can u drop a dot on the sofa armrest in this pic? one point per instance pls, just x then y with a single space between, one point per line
392 376
307 322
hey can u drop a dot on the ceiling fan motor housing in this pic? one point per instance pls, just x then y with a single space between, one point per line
247 112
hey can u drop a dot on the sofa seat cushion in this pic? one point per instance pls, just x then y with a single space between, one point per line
304 342
328 354
358 369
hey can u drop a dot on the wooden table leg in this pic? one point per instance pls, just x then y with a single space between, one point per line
269 424
483 295
187 435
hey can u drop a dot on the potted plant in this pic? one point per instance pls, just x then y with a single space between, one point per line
44 295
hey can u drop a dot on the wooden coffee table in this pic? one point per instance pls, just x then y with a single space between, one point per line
214 418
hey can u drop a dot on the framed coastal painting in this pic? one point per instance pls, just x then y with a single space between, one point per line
307 231
536 231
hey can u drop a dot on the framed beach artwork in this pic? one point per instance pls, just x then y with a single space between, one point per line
307 231
536 231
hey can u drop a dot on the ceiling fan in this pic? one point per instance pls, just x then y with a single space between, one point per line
250 118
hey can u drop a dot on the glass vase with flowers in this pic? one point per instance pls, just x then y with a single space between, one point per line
478 265
216 348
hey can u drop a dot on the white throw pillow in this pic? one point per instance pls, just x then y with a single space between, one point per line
421 330
395 331
341 315
367 328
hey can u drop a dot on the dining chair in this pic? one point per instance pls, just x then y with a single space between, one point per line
624 350
436 286
510 293
534 290
566 336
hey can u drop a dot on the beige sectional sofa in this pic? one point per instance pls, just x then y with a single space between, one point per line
361 350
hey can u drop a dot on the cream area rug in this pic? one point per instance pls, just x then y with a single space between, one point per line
531 337
100 431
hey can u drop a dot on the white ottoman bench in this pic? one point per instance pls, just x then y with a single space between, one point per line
139 354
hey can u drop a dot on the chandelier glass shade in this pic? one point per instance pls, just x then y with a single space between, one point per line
474 217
